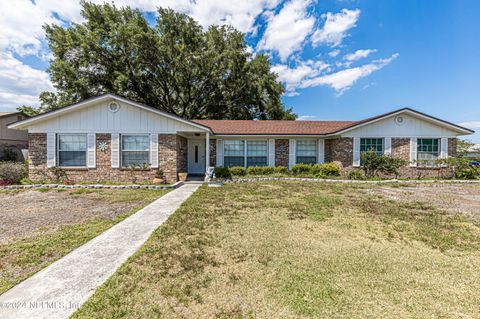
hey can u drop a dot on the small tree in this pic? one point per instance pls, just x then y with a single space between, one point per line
373 164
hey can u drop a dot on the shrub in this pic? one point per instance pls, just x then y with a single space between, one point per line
302 169
281 170
468 173
12 172
327 169
355 175
260 170
238 171
373 164
460 167
9 155
222 172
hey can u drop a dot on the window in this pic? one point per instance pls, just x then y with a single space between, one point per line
196 153
135 150
72 150
234 153
367 144
306 152
428 151
257 153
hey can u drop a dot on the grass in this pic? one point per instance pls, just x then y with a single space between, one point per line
22 257
298 250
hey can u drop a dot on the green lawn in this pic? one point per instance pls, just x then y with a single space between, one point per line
299 250
22 257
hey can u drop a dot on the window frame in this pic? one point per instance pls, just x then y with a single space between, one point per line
382 152
243 142
316 151
149 161
245 151
418 152
57 150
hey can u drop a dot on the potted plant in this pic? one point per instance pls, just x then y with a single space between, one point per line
182 176
159 177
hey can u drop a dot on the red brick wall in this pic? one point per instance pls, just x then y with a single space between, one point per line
182 149
401 148
339 150
281 152
452 147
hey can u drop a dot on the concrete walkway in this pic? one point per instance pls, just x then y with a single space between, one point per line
58 290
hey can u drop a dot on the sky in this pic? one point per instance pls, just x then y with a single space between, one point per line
338 59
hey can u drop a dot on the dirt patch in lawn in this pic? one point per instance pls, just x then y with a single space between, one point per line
39 227
453 198
26 212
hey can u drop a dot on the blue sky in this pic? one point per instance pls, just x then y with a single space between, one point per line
338 59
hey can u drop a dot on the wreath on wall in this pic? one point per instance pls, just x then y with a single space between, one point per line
103 146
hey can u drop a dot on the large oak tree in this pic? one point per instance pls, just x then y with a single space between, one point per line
175 66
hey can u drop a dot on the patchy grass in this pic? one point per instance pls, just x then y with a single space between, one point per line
299 250
22 257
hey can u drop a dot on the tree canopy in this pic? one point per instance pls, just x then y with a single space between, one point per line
175 66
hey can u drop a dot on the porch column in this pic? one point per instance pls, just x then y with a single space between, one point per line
207 151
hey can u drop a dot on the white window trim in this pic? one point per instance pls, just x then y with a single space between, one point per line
57 150
120 147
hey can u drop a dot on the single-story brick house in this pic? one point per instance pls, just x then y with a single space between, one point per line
103 137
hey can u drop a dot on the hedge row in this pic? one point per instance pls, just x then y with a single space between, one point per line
317 170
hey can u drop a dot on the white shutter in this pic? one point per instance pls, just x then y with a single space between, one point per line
91 150
413 151
219 152
291 153
388 146
443 147
154 150
321 151
115 150
51 149
356 151
271 152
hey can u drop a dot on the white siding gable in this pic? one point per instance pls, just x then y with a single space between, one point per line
411 126
97 118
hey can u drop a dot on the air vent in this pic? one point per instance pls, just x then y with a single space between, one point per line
399 120
113 107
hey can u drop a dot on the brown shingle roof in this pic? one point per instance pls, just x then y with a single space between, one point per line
246 127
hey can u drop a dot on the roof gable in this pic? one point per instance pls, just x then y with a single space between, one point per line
106 98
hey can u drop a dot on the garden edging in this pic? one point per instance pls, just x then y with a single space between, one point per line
259 179
90 186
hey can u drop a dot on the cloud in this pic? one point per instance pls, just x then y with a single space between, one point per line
307 117
287 30
471 124
344 79
20 83
359 54
336 27
292 76
334 53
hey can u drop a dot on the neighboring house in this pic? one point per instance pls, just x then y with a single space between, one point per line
102 137
12 140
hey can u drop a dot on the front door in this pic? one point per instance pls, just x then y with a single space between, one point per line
196 156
